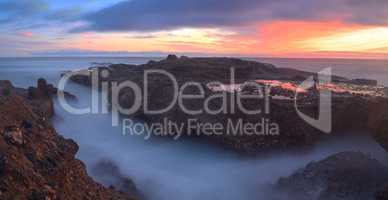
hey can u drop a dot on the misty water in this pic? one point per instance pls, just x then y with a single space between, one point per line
164 169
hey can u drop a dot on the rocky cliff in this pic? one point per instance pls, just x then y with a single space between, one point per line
378 120
378 123
35 161
345 176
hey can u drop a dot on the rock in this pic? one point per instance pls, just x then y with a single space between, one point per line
26 125
382 195
44 166
14 134
48 193
5 92
378 120
151 62
42 91
172 57
348 113
42 98
343 176
6 84
3 163
5 88
108 173
364 82
82 80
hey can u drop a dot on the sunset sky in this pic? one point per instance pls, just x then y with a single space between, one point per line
271 28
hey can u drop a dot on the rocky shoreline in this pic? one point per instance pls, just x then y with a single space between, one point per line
35 161
351 102
358 104
346 176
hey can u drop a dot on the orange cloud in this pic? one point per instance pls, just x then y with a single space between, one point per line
283 37
279 38
27 34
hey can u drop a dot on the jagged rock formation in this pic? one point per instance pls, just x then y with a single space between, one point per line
36 162
345 176
109 174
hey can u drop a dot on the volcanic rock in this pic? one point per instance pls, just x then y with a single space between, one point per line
110 175
14 134
345 176
36 162
364 82
349 113
378 120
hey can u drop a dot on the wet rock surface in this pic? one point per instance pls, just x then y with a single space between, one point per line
345 176
36 162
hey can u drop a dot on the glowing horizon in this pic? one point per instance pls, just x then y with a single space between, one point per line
249 30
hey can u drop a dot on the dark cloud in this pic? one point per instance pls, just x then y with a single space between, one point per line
150 15
20 9
64 14
153 15
18 15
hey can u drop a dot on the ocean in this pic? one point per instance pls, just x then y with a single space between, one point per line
350 68
186 169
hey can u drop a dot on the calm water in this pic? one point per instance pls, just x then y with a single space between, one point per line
29 70
371 69
184 169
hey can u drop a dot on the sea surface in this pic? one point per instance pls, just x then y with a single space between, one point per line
185 169
349 68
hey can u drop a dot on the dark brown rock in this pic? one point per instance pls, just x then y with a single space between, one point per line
41 97
110 175
172 58
378 120
382 195
14 135
364 82
345 176
36 162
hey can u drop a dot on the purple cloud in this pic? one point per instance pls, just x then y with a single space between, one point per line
154 15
